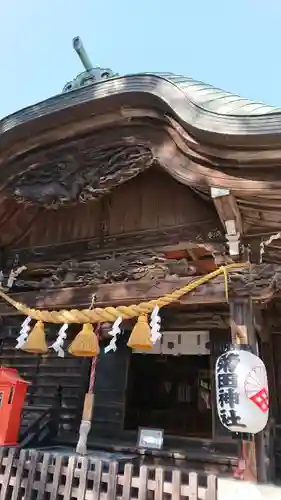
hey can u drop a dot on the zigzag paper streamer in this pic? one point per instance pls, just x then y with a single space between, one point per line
114 332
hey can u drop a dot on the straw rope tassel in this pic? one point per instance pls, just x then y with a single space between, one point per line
110 314
36 340
140 338
86 343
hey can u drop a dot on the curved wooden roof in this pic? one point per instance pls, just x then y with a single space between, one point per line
110 131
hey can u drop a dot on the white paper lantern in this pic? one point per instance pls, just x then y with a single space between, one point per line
241 391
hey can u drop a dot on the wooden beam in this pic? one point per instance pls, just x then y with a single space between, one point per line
229 214
262 284
117 294
170 237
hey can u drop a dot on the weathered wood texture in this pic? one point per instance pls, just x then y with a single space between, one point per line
228 210
110 393
150 201
267 352
276 343
161 239
134 256
114 294
50 476
243 331
113 267
113 145
263 283
47 374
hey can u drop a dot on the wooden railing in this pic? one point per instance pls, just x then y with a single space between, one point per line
44 427
26 474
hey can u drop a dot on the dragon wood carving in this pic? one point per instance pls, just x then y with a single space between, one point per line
79 176
110 268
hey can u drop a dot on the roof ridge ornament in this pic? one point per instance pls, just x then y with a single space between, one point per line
92 74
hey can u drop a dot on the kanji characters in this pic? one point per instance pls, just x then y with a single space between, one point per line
230 418
229 397
227 380
228 362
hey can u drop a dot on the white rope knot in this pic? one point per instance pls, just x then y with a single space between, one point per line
114 332
57 346
24 331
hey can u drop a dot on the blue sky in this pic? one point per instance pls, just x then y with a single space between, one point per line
232 44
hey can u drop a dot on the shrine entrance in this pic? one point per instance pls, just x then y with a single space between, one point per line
170 392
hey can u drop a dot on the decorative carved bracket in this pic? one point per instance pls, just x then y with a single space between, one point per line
229 214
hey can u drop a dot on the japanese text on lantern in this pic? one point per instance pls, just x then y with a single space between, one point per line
228 396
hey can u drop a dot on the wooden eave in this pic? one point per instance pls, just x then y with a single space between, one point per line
224 152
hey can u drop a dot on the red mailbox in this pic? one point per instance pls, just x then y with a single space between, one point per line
12 394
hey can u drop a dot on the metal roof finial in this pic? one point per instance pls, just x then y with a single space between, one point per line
82 54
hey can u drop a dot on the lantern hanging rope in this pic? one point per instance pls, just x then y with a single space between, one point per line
110 314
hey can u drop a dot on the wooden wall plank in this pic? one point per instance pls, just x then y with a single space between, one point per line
111 379
48 376
151 200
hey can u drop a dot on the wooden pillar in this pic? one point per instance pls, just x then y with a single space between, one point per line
267 350
243 332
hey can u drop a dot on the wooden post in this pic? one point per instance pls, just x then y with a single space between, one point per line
85 425
243 332
264 328
86 422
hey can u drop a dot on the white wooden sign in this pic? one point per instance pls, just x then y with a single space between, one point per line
181 343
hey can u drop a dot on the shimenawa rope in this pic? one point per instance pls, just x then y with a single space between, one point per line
110 314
